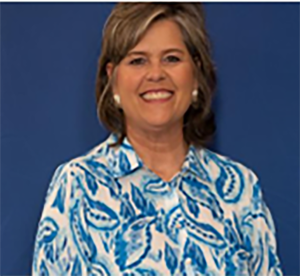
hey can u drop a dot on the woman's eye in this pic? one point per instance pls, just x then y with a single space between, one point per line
137 61
172 58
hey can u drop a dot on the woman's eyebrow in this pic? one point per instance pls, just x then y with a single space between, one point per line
144 53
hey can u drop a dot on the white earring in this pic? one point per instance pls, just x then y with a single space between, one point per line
117 99
195 95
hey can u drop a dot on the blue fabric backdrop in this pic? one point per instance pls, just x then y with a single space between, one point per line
49 57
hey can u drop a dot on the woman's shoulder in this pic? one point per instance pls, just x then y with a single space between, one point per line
95 155
82 173
233 180
220 163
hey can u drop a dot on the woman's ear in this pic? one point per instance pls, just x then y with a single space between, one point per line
197 62
109 69
196 84
198 67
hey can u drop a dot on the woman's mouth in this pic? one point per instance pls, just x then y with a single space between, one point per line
156 97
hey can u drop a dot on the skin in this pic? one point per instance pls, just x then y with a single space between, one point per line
155 130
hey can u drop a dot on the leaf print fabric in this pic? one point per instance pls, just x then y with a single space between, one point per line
105 213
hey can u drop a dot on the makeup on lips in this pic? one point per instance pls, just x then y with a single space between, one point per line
157 95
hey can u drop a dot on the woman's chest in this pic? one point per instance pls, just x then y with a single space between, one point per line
160 228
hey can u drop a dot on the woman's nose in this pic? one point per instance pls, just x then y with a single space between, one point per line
156 72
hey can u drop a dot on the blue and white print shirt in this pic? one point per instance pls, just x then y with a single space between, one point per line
106 213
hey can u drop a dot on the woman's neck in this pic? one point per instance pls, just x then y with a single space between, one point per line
162 152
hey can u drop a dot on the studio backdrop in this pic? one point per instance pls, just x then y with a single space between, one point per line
49 54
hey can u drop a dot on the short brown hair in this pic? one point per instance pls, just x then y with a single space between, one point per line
124 28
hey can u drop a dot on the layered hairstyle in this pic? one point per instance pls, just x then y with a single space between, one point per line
124 28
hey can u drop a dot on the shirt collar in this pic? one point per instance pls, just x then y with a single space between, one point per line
196 164
123 160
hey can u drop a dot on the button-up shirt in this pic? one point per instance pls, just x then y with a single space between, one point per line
107 213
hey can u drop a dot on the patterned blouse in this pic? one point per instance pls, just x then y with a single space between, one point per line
106 213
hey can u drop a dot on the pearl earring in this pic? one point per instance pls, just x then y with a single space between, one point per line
195 95
117 99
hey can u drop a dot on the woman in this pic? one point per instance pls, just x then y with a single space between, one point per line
152 199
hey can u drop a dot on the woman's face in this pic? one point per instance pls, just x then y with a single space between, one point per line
159 62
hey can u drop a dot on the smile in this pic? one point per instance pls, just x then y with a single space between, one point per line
162 96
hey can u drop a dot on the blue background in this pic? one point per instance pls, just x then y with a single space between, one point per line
49 56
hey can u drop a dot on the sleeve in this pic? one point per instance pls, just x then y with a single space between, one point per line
260 234
55 252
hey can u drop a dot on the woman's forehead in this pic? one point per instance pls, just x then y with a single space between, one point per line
162 38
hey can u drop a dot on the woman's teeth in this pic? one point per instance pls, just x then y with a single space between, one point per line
157 95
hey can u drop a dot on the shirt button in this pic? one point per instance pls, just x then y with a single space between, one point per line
188 261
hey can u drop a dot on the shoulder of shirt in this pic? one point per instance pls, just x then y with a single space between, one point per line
96 153
214 161
78 167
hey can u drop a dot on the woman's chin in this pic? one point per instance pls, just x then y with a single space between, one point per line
159 124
